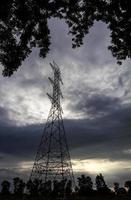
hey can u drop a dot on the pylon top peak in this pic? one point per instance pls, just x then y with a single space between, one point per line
56 70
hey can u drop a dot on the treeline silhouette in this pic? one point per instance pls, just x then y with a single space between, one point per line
38 190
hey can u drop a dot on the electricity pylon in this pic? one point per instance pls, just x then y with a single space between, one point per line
52 162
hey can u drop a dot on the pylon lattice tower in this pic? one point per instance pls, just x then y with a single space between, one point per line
52 160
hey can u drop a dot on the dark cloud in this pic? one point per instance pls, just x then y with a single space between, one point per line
105 137
99 103
3 115
20 141
95 104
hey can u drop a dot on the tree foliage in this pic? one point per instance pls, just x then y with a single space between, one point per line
101 185
19 186
85 185
5 190
24 25
52 190
128 186
100 182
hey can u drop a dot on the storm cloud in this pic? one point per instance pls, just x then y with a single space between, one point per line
96 104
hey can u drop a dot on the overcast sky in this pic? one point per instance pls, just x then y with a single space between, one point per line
96 104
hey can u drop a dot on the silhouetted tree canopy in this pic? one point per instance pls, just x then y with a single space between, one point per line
116 187
128 186
37 189
101 186
24 25
19 186
33 187
85 185
5 190
100 182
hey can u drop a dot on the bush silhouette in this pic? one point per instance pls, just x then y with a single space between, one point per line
19 186
85 185
101 185
128 186
5 187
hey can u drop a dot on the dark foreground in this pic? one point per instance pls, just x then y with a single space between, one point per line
63 190
75 197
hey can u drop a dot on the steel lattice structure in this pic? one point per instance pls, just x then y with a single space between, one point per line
52 160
